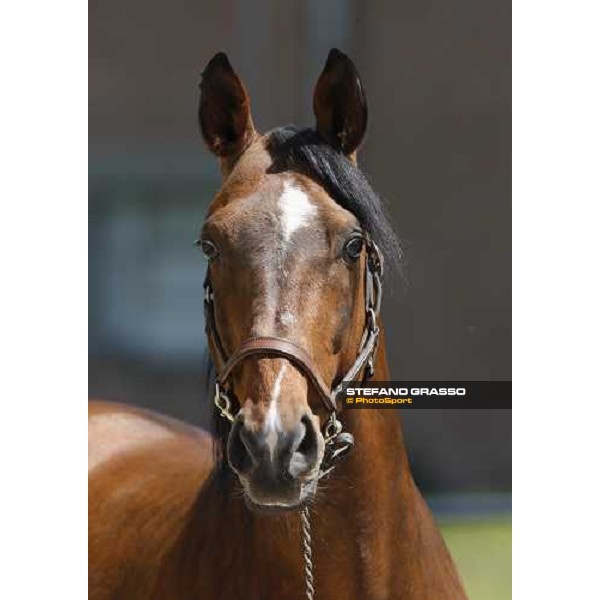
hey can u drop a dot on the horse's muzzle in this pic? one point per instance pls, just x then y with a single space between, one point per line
278 467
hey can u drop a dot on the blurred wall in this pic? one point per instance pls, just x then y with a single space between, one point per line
437 77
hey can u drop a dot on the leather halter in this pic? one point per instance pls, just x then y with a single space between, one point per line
275 346
280 347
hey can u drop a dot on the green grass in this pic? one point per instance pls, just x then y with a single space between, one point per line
482 552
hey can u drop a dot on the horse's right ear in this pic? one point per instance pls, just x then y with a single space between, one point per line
340 105
224 113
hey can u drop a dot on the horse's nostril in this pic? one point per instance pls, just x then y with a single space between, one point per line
237 451
309 441
306 454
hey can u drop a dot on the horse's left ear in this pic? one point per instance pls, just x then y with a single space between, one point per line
340 105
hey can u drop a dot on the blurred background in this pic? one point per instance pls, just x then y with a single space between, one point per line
438 80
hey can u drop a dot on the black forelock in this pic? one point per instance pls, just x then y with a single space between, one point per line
304 151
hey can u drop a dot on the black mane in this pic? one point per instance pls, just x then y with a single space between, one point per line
304 151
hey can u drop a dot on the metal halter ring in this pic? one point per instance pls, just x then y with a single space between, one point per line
332 428
223 403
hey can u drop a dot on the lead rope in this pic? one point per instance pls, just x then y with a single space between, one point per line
339 444
309 576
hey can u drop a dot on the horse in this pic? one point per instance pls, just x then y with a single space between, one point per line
272 503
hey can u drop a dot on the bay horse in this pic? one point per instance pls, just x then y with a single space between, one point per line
295 240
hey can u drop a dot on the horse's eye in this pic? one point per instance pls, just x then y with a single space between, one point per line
353 248
209 249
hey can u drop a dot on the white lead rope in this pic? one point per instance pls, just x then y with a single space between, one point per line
309 576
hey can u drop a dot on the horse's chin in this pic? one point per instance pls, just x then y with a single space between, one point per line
275 506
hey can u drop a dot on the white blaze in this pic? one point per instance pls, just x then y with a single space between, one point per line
272 414
296 210
286 318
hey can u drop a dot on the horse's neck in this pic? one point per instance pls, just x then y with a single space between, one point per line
372 535
372 519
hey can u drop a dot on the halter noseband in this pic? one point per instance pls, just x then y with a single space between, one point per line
281 347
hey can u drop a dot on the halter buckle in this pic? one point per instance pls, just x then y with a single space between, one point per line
375 258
